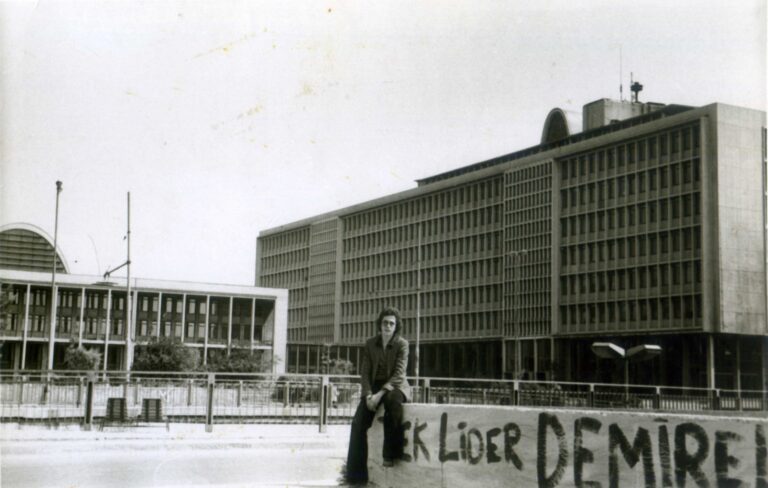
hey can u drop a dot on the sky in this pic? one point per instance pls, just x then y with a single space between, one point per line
224 119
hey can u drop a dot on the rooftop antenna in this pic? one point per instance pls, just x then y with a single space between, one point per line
636 88
95 253
621 76
127 237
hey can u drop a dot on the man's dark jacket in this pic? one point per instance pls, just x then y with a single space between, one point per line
396 355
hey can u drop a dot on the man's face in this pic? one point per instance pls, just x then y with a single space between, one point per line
388 324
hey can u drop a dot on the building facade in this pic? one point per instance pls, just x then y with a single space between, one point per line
93 312
647 227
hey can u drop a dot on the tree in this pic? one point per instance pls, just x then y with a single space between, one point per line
6 296
77 358
334 365
241 361
340 366
342 387
166 354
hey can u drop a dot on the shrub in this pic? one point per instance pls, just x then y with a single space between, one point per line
166 354
344 389
77 358
340 366
241 361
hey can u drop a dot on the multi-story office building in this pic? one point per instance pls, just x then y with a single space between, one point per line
646 227
93 312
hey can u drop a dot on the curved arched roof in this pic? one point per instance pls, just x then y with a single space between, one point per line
560 124
28 247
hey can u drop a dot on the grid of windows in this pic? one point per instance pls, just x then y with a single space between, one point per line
219 320
12 309
446 202
68 313
146 315
241 321
117 315
170 317
96 317
322 281
630 235
285 263
528 240
195 317
453 237
194 311
95 314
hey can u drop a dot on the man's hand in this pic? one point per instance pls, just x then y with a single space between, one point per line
372 401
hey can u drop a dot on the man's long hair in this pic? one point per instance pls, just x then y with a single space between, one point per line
390 311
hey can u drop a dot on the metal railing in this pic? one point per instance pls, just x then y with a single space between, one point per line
63 396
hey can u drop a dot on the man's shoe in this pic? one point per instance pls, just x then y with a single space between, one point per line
352 482
388 463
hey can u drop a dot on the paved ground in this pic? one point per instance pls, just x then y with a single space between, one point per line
186 456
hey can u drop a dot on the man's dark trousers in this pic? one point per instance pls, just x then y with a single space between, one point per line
357 456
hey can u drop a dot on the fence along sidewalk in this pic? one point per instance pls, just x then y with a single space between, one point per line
64 396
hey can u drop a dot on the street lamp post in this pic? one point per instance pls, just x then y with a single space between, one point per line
128 302
54 295
128 307
609 350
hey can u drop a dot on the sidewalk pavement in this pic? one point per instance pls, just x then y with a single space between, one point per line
232 456
14 437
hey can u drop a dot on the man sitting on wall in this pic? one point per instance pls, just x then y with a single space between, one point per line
385 359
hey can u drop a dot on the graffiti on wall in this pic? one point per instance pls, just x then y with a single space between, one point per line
584 449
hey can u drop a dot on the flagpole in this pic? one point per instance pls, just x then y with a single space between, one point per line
54 295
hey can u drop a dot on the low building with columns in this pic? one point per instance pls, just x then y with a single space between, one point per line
94 312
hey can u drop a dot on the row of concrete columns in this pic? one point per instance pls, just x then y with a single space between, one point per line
130 326
693 360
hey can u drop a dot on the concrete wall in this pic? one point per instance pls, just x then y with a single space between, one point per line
460 446
741 249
